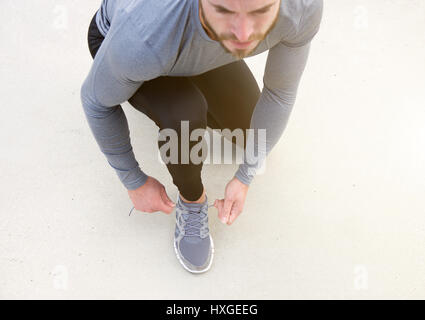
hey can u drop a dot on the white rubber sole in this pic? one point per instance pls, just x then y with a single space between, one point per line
196 271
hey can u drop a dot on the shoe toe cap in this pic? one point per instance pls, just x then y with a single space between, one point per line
195 252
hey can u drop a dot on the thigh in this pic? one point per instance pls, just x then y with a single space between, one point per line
94 37
167 100
231 92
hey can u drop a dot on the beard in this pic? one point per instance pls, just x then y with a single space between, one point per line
237 53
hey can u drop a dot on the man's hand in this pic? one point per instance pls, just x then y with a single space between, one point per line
231 206
151 197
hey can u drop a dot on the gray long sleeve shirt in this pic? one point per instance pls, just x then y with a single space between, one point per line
145 39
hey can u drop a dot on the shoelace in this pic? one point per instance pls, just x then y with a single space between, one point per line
211 205
193 221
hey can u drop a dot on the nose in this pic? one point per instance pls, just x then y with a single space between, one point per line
242 28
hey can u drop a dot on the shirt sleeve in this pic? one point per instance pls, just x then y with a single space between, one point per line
308 26
284 67
116 74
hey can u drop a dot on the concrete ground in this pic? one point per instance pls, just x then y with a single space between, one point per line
338 213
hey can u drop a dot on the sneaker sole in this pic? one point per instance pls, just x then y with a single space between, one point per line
196 271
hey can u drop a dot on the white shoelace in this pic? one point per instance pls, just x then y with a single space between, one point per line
211 205
193 223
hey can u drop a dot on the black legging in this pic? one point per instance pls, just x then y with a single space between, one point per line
221 98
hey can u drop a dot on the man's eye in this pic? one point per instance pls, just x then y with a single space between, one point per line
223 11
262 11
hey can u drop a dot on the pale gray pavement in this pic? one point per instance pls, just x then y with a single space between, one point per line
338 212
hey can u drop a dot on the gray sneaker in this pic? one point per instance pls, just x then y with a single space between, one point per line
192 240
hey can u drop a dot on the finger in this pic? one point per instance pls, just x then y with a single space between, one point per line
226 208
170 202
220 204
233 215
215 203
165 207
165 198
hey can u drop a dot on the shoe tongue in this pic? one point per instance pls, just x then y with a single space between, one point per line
193 206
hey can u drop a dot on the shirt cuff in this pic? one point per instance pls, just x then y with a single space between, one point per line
133 178
243 176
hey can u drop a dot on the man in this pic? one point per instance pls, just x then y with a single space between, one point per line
182 60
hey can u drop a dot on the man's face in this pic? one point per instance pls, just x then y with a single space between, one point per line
239 25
